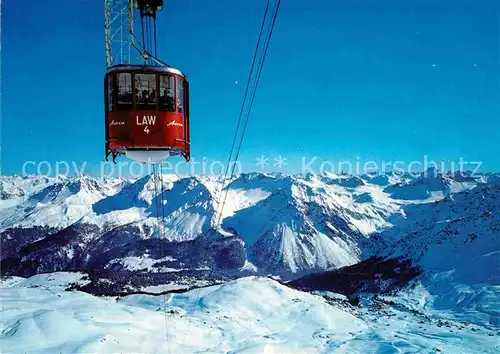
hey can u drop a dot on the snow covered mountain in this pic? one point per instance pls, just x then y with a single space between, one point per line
281 225
456 242
309 224
431 184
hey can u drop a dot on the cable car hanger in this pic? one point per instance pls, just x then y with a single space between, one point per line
147 9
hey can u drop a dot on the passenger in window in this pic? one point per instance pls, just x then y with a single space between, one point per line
179 104
170 104
152 97
123 96
167 101
137 96
162 99
145 97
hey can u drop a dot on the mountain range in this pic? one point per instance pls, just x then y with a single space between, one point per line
282 225
406 260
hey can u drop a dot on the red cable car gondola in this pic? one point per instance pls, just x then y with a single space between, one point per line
147 112
147 106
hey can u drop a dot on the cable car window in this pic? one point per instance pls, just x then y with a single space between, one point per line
167 93
110 90
180 94
145 90
124 96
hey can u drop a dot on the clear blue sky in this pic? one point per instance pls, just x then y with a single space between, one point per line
344 80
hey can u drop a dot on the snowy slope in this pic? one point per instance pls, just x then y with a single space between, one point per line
444 233
58 203
311 224
385 179
456 242
250 315
431 184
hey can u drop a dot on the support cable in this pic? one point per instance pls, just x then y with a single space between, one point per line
220 205
241 110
